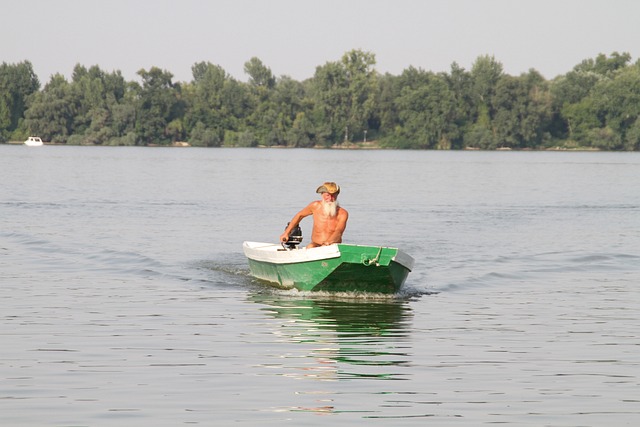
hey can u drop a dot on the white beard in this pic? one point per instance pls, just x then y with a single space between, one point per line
330 208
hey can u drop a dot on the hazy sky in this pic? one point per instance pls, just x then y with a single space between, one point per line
293 37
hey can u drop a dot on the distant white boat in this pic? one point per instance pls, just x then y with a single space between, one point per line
33 141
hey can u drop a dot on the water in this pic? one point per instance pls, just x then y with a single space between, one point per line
125 298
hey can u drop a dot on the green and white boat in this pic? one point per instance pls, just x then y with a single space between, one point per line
334 268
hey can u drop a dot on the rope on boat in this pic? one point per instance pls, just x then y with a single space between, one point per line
373 261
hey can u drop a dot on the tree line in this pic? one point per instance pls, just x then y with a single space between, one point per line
596 105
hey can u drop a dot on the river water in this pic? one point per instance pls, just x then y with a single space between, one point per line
125 298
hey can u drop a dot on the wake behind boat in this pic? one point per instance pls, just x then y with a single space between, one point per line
334 268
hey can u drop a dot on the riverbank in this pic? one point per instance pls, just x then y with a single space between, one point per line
368 145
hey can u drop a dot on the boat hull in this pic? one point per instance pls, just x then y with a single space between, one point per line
334 268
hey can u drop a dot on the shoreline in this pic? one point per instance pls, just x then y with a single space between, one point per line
373 145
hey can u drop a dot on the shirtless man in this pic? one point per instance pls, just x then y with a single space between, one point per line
329 219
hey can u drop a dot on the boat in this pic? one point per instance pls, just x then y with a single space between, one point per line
33 141
333 268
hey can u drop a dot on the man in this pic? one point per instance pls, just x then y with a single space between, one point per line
329 219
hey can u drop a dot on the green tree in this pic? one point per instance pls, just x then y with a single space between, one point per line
363 90
568 101
575 109
522 110
460 84
302 132
264 119
344 95
386 113
603 138
259 74
617 101
574 86
201 136
97 97
5 118
158 105
603 65
580 117
51 112
426 108
214 102
485 74
329 92
204 97
17 83
632 137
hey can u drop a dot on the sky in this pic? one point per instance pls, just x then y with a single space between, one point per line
293 37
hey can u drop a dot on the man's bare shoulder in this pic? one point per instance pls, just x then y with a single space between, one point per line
309 209
314 205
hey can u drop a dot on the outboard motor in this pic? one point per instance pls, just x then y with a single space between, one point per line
295 238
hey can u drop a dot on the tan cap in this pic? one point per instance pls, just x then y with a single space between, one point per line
329 187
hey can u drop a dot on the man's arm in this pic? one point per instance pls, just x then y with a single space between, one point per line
295 221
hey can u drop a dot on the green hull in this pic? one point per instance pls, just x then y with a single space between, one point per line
348 268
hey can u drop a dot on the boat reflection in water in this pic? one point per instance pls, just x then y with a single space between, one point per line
339 338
